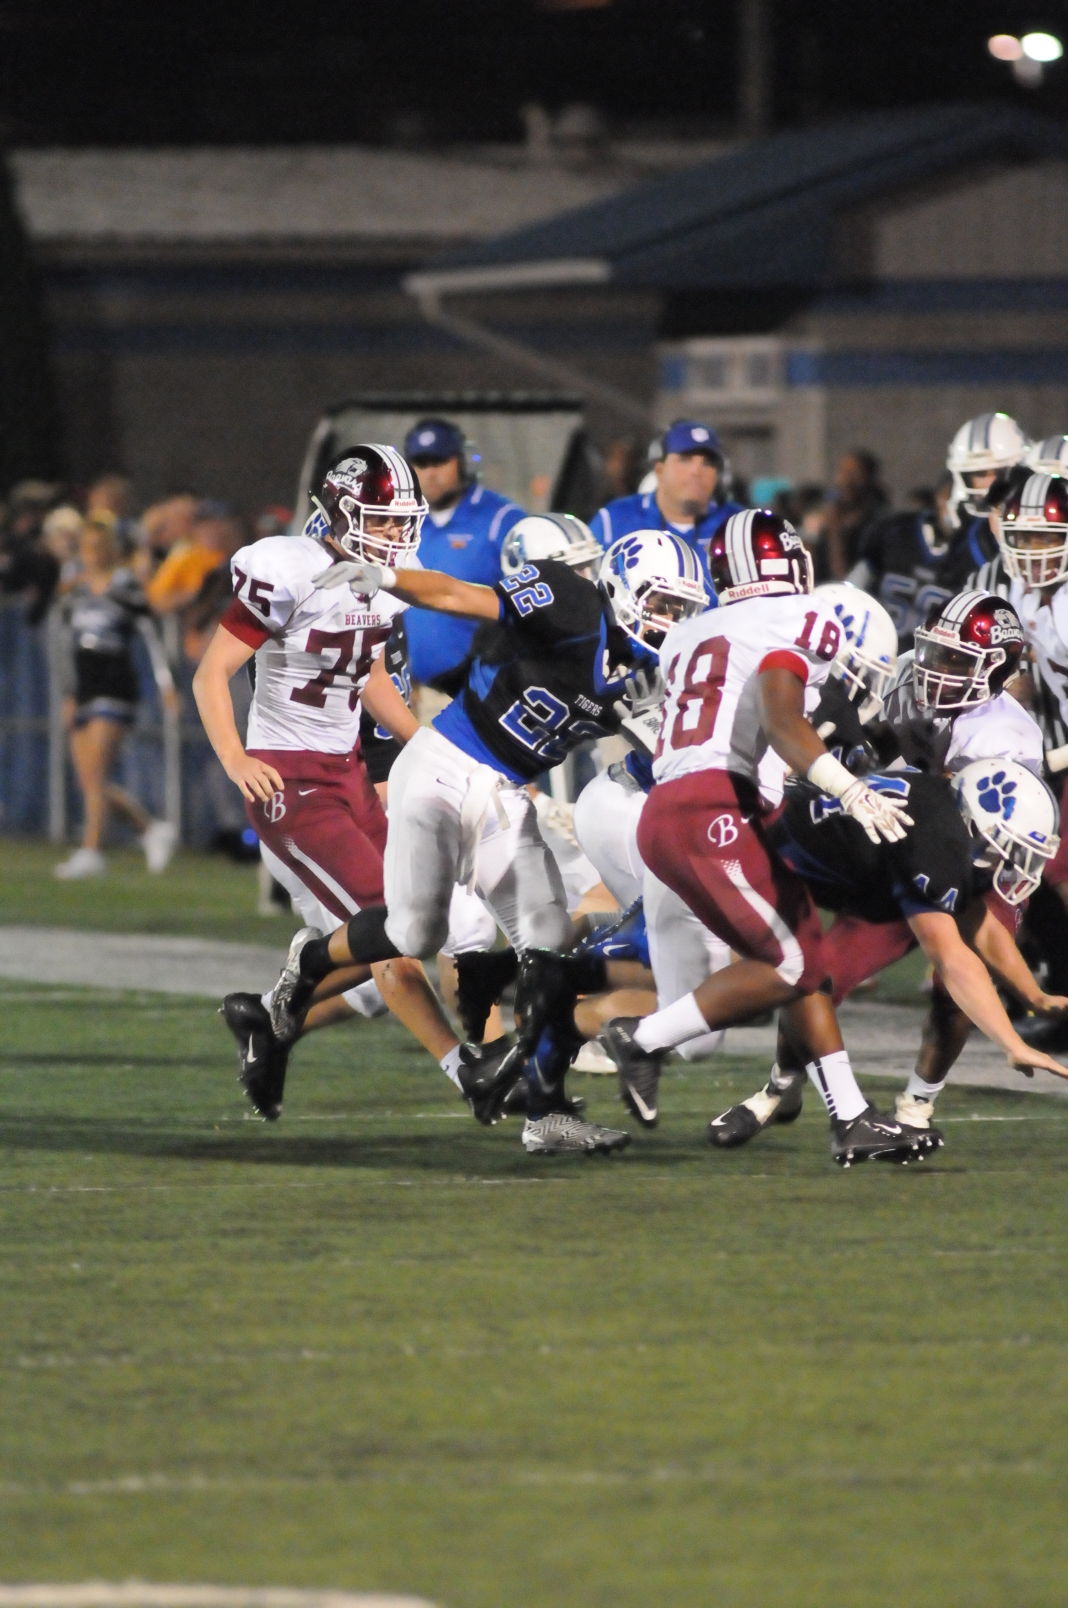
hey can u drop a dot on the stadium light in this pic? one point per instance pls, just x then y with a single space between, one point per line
1042 47
1027 57
1005 47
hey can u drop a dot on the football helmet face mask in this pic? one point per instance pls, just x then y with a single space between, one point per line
559 536
1032 530
966 652
651 581
981 447
1012 819
757 554
370 504
867 658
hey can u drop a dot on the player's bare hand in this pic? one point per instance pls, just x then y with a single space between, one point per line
1050 1004
364 579
882 815
1034 1061
255 779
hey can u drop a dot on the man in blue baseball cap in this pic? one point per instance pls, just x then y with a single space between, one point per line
462 537
689 497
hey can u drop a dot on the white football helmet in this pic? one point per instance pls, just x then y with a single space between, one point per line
981 447
965 652
1012 818
1049 456
1032 530
559 536
370 504
867 658
652 580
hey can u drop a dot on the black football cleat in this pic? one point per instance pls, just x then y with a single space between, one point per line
639 1070
873 1136
482 975
488 1073
262 1060
742 1122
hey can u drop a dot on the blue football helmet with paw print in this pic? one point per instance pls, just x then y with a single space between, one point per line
1012 818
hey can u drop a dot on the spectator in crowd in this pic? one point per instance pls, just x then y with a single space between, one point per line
461 537
214 535
163 526
689 497
26 564
857 497
112 495
61 533
621 468
103 610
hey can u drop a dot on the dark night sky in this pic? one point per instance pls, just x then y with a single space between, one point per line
224 71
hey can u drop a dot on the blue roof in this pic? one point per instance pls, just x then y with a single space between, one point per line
765 212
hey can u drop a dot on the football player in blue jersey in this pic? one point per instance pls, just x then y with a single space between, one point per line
690 497
552 668
916 560
462 536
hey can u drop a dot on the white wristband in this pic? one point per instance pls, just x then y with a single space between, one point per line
829 775
389 578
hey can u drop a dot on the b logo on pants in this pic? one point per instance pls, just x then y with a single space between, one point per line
722 829
275 807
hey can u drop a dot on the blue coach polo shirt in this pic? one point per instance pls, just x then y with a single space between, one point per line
467 546
640 512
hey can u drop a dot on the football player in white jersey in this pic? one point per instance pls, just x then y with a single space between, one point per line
739 680
945 709
318 654
1030 521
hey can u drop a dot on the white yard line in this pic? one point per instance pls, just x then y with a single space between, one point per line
882 1039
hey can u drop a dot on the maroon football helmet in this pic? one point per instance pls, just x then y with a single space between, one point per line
757 554
371 504
1032 530
966 652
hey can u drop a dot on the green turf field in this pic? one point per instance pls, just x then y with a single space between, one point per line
375 1346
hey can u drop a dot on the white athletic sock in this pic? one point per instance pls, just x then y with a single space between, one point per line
265 999
673 1025
833 1078
696 1049
919 1090
450 1065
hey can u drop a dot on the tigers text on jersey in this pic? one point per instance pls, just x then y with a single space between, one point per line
542 681
930 869
314 649
710 665
999 728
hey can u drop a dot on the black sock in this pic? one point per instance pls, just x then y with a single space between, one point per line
315 960
367 936
588 973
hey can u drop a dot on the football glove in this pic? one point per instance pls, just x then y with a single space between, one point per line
364 579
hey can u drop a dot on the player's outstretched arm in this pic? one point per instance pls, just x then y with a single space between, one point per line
998 948
426 589
223 657
968 983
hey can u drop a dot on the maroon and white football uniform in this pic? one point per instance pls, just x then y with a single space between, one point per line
700 830
314 651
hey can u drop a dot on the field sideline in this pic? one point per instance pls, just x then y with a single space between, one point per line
376 1347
